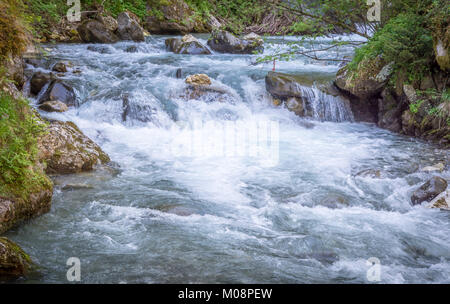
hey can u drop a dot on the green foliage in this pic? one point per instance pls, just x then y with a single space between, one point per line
446 95
405 41
44 15
19 130
239 14
414 107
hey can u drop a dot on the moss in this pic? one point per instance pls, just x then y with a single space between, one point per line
21 174
14 262
13 30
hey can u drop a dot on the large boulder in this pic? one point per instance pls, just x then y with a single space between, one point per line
283 86
38 81
225 42
57 90
368 81
129 28
188 45
65 149
429 191
94 31
15 210
14 262
172 17
201 87
198 80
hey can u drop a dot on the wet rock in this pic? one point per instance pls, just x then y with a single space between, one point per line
373 75
435 168
131 49
65 149
129 28
58 91
430 190
201 87
283 86
179 73
125 106
99 49
35 62
389 112
187 45
372 173
442 201
173 44
72 187
60 67
14 262
110 23
93 31
289 89
225 42
134 110
53 106
198 80
334 201
38 81
15 210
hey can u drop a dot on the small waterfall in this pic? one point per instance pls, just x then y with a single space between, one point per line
320 105
330 108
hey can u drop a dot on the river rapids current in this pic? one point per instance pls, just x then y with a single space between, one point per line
164 217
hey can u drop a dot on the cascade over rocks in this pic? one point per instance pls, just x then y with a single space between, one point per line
225 42
38 81
201 87
301 97
188 45
58 91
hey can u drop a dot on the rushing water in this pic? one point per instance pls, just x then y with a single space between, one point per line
166 218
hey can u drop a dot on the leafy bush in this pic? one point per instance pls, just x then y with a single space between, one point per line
404 40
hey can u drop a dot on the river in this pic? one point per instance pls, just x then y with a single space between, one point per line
305 215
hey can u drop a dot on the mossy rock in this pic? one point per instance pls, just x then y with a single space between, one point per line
65 149
14 262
